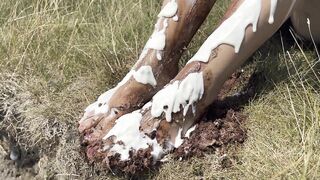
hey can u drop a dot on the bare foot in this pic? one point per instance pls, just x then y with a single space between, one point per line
157 128
158 64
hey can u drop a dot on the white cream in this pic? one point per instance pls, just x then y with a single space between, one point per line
232 30
145 75
159 56
169 10
157 40
190 91
147 106
178 94
178 140
127 131
273 6
175 18
101 106
190 130
164 100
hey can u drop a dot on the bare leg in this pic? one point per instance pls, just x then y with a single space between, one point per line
175 108
307 10
219 57
158 64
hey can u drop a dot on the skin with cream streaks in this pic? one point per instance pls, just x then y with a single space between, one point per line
132 93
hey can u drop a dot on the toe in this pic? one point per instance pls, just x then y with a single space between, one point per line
90 122
98 130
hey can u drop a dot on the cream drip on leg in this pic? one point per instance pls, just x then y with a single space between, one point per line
144 74
232 31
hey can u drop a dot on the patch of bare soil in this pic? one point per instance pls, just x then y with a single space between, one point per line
17 157
211 135
138 163
224 123
15 160
31 145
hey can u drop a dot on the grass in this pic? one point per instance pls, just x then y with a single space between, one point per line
57 56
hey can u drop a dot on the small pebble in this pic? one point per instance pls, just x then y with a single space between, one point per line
14 155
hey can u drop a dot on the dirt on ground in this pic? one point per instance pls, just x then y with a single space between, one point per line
212 135
224 123
221 127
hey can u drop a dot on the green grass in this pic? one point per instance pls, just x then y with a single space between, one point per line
57 56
